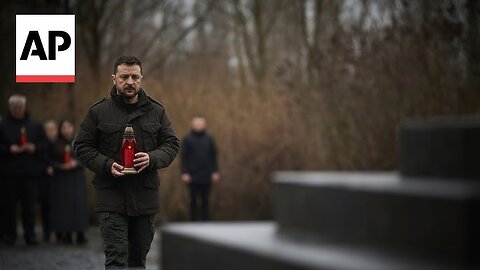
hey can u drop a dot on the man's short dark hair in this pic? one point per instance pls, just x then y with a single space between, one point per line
199 116
126 60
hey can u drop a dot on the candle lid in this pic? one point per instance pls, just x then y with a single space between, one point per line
129 130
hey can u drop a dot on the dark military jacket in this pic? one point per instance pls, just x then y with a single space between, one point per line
98 144
24 164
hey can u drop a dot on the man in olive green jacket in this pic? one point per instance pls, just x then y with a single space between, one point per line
126 203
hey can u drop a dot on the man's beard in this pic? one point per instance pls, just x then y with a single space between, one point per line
132 93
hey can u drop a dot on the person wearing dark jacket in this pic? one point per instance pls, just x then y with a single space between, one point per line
44 183
69 192
3 202
199 167
126 203
22 146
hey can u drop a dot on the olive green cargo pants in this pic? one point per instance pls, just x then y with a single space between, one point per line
126 239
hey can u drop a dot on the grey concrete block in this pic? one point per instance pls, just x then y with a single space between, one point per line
437 220
257 246
448 147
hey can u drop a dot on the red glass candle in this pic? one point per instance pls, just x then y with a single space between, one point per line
129 148
23 136
67 156
128 154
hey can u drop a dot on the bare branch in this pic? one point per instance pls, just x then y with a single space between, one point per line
173 45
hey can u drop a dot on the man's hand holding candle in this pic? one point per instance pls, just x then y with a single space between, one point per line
117 170
142 160
17 149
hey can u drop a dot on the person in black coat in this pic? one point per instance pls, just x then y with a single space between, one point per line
22 147
68 205
3 209
199 167
44 185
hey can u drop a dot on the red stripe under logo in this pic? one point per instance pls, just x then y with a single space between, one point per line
45 78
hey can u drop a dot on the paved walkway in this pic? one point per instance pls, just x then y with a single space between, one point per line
52 256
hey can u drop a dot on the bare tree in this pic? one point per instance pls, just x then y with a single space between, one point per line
94 19
254 21
179 37
473 43
149 29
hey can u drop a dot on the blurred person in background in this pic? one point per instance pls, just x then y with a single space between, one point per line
126 204
199 167
51 131
3 195
69 192
22 147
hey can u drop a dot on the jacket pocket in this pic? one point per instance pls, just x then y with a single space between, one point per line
110 135
150 134
152 181
104 182
103 217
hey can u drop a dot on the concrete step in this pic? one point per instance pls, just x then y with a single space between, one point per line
258 246
436 220
446 147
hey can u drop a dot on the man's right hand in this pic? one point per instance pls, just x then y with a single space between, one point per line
186 178
117 170
16 149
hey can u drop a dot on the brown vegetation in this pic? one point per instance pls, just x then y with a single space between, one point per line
285 85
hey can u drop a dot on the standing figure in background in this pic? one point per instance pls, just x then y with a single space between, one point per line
22 147
199 167
69 192
51 130
3 195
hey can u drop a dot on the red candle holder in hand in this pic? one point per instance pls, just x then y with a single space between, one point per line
67 156
129 148
23 137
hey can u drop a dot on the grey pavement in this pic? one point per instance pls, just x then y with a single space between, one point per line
53 256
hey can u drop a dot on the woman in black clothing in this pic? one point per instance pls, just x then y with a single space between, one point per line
69 196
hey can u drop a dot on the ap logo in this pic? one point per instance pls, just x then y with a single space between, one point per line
45 48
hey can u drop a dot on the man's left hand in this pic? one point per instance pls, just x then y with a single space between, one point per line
30 147
216 176
141 161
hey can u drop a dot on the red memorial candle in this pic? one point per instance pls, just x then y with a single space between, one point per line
129 148
128 154
67 156
23 137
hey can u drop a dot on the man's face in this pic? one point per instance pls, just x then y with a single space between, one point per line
199 124
128 80
17 110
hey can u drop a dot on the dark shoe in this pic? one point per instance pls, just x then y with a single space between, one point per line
68 239
9 240
46 238
59 237
31 241
81 239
